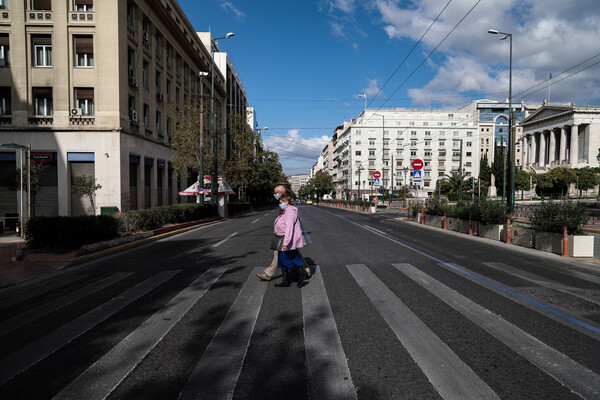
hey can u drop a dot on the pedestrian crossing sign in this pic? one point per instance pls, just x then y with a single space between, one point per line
417 174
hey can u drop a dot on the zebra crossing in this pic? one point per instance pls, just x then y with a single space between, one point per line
327 368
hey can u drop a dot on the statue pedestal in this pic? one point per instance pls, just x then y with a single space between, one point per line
492 191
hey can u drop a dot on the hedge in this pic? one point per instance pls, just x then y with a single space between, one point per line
63 234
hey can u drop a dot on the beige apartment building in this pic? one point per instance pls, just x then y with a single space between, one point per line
89 85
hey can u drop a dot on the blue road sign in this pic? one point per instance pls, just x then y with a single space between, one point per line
376 181
417 174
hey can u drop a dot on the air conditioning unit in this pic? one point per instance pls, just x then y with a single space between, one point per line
160 97
76 112
145 36
134 116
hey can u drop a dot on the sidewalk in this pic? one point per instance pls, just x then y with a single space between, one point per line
11 272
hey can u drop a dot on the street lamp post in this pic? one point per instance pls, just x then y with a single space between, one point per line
405 170
598 158
511 131
214 179
201 173
360 168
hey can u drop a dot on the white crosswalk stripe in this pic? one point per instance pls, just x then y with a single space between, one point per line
449 375
568 372
327 369
105 375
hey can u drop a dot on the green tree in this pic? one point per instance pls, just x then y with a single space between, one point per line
267 174
13 180
555 181
498 168
450 185
587 178
322 183
522 180
239 167
85 186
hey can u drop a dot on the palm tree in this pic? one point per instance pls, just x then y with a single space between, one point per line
451 183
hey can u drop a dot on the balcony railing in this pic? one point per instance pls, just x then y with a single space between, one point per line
83 120
41 120
81 16
39 16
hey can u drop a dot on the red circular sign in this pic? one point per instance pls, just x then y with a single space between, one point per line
417 164
376 174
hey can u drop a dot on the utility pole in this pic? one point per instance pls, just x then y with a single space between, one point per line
460 172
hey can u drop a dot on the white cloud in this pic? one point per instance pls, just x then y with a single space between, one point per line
548 36
229 7
373 88
297 148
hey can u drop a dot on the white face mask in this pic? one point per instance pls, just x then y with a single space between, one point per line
282 206
277 196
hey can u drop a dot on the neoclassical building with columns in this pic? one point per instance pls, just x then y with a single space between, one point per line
561 136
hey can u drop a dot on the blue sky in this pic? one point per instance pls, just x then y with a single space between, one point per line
303 62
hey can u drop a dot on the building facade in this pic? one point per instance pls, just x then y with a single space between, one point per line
90 85
297 182
561 136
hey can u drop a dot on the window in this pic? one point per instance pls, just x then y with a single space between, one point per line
453 124
5 103
3 4
427 154
428 144
158 82
450 115
455 133
357 153
358 142
84 51
146 115
442 133
411 123
158 122
132 108
4 50
456 144
482 141
371 143
42 101
413 143
386 133
84 5
386 142
169 129
358 133
399 154
413 153
469 144
439 123
84 98
399 133
442 143
468 164
130 14
427 173
371 152
487 141
427 133
400 143
146 74
371 133
42 50
425 123
146 30
398 123
41 4
469 134
469 154
413 133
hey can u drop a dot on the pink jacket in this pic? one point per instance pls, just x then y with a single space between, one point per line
288 224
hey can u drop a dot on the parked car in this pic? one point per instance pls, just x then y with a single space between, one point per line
309 202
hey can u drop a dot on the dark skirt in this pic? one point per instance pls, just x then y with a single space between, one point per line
289 259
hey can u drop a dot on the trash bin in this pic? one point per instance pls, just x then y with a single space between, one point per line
108 210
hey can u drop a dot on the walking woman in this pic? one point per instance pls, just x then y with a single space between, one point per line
289 259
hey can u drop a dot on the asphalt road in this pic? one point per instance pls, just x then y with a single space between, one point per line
393 310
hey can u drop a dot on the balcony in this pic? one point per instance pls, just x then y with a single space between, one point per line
131 31
5 119
38 16
80 17
82 120
41 120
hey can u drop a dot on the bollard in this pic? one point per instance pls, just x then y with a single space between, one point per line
408 215
444 221
508 231
470 226
565 252
387 210
422 216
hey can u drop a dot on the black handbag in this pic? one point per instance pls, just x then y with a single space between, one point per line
277 242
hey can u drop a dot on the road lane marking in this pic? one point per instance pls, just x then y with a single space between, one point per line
449 375
103 377
304 232
224 240
569 373
9 299
23 359
218 370
591 295
256 220
35 313
326 363
482 280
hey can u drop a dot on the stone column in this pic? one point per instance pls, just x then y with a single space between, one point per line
525 150
574 158
533 148
552 150
563 145
542 149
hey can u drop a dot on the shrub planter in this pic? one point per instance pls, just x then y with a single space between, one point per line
433 220
489 231
519 236
581 246
548 241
